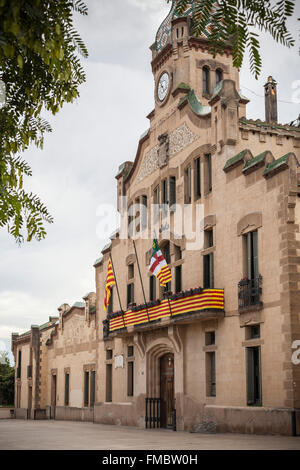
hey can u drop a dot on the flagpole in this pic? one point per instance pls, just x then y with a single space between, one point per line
137 260
117 289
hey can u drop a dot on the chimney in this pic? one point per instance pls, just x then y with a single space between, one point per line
271 100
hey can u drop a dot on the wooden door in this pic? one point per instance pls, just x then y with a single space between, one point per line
166 390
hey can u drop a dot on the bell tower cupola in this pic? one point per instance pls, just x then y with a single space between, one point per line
182 62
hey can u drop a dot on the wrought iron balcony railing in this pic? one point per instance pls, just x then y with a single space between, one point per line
249 292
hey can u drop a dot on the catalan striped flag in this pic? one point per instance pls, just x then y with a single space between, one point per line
110 282
158 265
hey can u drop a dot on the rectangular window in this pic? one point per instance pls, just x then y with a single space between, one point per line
210 338
198 177
211 374
208 238
93 387
178 253
111 301
130 351
166 253
108 382
208 271
156 203
67 389
86 388
252 255
19 364
109 354
130 379
172 189
164 192
178 280
152 288
130 271
253 369
130 294
208 172
144 213
188 185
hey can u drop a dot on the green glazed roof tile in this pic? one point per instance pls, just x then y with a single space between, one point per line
184 85
254 161
277 163
196 105
235 159
79 304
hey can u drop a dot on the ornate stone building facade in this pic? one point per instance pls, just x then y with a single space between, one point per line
214 348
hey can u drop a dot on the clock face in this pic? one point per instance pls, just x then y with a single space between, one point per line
163 86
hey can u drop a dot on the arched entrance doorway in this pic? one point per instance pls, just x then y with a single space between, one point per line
166 366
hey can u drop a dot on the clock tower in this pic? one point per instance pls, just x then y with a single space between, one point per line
182 62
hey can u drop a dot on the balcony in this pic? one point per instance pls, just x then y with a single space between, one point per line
193 304
249 294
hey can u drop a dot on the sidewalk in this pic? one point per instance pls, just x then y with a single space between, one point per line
58 435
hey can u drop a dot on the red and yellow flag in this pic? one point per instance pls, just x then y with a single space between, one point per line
110 282
158 265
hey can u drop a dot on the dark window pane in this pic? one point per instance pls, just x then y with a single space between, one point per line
205 77
109 354
130 294
172 188
130 351
209 338
208 271
152 287
144 213
130 379
219 76
93 387
198 177
86 388
253 366
178 280
109 382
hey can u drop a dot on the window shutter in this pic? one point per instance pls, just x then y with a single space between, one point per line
86 389
93 385
209 172
249 255
198 177
255 255
189 183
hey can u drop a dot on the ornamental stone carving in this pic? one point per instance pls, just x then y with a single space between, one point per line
158 156
163 151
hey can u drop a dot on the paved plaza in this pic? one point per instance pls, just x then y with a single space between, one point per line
59 435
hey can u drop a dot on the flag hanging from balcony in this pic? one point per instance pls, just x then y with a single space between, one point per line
158 265
110 282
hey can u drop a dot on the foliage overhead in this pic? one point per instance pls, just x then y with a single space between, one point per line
40 69
237 21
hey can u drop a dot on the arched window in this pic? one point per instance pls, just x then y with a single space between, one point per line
219 76
205 79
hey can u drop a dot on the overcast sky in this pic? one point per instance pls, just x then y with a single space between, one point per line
74 174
